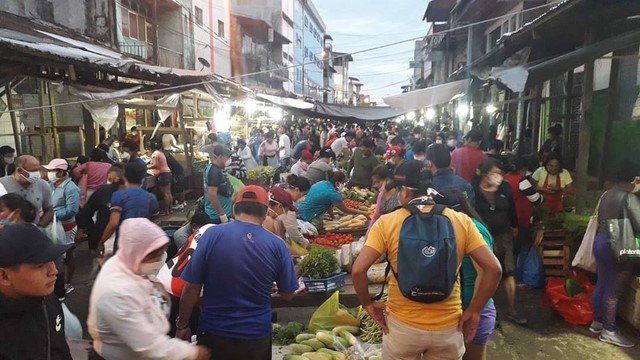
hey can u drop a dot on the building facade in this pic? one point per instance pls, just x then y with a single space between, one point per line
309 32
211 31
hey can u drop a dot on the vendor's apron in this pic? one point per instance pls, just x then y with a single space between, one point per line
553 202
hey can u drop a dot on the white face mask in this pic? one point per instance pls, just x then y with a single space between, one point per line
33 176
438 141
154 267
52 175
495 179
419 157
451 143
341 187
126 156
9 160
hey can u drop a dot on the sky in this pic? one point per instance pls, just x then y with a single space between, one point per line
357 25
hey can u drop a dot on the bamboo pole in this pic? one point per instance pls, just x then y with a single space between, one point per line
54 122
43 124
14 121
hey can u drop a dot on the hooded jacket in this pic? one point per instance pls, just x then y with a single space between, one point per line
32 329
128 312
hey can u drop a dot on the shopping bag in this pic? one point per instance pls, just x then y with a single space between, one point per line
54 231
531 268
623 240
325 316
576 310
584 258
299 249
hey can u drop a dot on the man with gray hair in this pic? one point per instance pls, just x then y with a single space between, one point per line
27 183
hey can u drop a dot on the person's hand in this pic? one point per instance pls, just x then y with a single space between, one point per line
377 311
100 250
203 353
79 236
469 325
224 219
184 334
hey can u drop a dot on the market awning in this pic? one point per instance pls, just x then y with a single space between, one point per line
434 95
286 102
354 113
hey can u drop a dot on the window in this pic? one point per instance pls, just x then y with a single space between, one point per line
306 22
306 52
298 41
135 25
492 39
198 14
221 29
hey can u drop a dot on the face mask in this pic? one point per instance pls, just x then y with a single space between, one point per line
419 157
9 160
33 176
116 145
438 141
416 136
341 187
109 182
451 143
154 267
126 156
52 175
495 179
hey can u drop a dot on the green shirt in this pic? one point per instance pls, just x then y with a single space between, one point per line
469 273
362 167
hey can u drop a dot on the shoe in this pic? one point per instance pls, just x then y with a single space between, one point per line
178 207
595 327
517 319
615 338
68 288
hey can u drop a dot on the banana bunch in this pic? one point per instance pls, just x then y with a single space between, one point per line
346 222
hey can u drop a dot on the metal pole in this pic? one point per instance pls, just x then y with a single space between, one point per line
582 176
43 125
54 122
14 121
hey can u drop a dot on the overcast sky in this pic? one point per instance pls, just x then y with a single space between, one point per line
357 25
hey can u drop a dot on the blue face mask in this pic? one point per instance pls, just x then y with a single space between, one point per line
5 222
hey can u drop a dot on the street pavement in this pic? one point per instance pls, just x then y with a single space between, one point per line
547 336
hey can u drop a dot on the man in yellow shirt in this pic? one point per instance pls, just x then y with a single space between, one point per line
415 330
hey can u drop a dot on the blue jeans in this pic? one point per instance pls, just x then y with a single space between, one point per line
612 281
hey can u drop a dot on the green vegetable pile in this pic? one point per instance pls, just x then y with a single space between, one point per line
320 263
285 335
261 174
371 331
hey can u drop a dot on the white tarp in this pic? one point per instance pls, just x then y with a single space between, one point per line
288 102
104 108
435 95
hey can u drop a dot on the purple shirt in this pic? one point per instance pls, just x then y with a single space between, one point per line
466 160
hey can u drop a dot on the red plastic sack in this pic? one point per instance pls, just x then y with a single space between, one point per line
577 310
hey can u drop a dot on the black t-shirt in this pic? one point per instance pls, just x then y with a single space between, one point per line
215 177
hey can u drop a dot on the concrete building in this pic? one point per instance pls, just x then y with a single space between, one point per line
288 50
309 31
257 41
211 31
328 71
342 83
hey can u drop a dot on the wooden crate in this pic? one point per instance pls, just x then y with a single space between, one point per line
555 250
629 308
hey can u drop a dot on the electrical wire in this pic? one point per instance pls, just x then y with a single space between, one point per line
176 87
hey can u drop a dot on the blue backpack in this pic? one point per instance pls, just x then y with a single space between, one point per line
427 256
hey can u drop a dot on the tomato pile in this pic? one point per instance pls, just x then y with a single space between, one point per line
354 204
332 240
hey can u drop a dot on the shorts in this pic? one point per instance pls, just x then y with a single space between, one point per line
404 342
164 179
486 325
503 249
225 348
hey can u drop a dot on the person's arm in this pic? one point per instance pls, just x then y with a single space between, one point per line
287 278
130 323
633 211
368 256
290 223
348 210
377 212
212 193
351 161
245 154
47 216
188 299
47 205
112 225
153 163
71 204
568 181
78 170
527 189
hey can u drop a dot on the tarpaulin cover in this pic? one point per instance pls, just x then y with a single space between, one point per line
435 95
354 113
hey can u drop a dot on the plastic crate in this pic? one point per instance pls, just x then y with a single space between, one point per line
325 286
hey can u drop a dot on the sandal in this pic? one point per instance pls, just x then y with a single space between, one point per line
517 319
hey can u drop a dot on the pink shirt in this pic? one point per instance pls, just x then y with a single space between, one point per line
96 173
161 163
466 160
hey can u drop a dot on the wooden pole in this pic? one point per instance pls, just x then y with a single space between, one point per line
582 176
54 122
43 125
614 81
14 121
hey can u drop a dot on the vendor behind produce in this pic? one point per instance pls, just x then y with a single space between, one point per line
218 202
322 196
282 220
318 169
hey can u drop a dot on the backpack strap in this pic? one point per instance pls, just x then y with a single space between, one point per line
386 274
437 209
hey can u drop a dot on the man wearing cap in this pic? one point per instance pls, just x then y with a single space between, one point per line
66 205
282 219
7 157
414 329
465 160
439 163
342 143
319 169
31 317
301 166
27 183
217 200
362 163
394 156
237 263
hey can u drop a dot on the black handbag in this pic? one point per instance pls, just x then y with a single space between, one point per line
624 241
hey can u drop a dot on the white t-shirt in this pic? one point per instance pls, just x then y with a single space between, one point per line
339 145
284 143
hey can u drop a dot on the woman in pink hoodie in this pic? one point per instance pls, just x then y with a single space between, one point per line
92 173
129 308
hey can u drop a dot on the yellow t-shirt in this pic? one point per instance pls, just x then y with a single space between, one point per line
384 237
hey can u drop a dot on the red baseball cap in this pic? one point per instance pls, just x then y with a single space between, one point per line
282 196
307 155
253 194
392 151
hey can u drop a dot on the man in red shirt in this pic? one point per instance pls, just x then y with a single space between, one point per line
465 160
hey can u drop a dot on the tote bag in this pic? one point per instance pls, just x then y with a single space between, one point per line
584 258
624 243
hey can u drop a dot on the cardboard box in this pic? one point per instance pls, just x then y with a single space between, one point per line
629 307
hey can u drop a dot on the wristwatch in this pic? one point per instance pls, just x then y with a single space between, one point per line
178 327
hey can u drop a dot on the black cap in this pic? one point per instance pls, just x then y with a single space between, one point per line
413 174
368 143
26 244
6 149
327 153
221 150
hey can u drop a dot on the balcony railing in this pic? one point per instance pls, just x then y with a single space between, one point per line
140 50
170 58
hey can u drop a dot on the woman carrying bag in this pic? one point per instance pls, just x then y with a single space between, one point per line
621 204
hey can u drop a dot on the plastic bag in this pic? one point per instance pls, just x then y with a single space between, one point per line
584 258
299 249
55 231
325 316
577 310
531 268
72 326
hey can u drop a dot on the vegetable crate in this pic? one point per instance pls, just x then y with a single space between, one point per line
629 308
555 250
325 286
